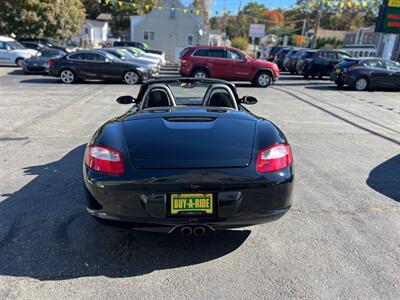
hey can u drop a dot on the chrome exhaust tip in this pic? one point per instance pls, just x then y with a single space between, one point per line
199 231
186 231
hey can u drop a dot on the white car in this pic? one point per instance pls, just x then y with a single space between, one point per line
13 53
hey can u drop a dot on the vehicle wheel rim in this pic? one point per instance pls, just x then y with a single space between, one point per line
67 76
361 84
200 75
131 78
263 79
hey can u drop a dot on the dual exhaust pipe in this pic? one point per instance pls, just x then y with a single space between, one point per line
188 231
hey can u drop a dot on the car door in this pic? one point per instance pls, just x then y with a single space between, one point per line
5 55
393 69
219 64
239 68
378 75
99 66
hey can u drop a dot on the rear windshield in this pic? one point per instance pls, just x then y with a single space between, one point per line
189 93
307 55
184 52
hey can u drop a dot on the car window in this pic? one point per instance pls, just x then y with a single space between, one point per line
216 53
14 45
234 55
376 64
201 52
76 56
49 53
343 55
2 46
392 66
94 57
332 55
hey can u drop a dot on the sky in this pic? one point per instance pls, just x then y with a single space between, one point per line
233 5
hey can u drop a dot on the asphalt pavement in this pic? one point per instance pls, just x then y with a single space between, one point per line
341 239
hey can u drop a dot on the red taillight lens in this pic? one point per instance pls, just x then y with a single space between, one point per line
274 158
51 62
353 68
104 160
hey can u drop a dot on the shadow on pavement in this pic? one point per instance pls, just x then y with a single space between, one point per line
46 234
16 72
385 178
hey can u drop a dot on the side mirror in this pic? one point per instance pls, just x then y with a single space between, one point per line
125 100
248 100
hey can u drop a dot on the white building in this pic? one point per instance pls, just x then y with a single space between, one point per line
170 27
94 33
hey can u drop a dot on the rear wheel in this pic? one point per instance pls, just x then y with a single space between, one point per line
67 76
19 62
361 84
200 73
131 78
263 79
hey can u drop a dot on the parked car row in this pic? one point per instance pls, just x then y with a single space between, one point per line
226 63
129 64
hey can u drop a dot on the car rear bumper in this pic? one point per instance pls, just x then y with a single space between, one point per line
138 204
342 78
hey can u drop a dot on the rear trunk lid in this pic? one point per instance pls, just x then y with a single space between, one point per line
198 141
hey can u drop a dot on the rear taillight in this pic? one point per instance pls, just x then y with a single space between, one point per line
353 68
52 62
274 158
105 160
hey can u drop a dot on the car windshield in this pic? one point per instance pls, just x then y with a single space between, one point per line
189 93
15 45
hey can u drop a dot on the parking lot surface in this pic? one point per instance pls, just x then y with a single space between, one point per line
340 239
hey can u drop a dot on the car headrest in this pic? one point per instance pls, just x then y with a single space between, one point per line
220 99
158 98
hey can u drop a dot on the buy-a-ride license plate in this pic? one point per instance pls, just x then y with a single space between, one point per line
192 203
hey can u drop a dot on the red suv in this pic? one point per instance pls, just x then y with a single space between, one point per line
226 63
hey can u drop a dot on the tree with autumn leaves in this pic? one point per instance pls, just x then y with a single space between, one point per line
59 19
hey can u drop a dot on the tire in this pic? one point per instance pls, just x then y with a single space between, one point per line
131 78
263 79
19 62
306 75
67 76
361 84
200 73
292 72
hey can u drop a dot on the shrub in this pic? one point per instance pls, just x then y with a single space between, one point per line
240 42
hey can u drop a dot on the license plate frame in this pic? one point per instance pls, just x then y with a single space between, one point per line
174 211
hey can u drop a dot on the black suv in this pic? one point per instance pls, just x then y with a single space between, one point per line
46 43
320 63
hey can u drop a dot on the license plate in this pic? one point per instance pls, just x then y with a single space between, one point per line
192 204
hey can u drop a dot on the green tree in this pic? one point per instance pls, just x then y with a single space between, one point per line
59 19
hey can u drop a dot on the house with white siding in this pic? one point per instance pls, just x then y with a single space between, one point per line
170 27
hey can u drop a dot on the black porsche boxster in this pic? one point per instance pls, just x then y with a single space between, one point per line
188 157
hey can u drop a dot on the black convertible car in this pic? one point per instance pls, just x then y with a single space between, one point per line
188 157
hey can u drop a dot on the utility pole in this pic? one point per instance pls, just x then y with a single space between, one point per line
238 19
316 26
303 32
